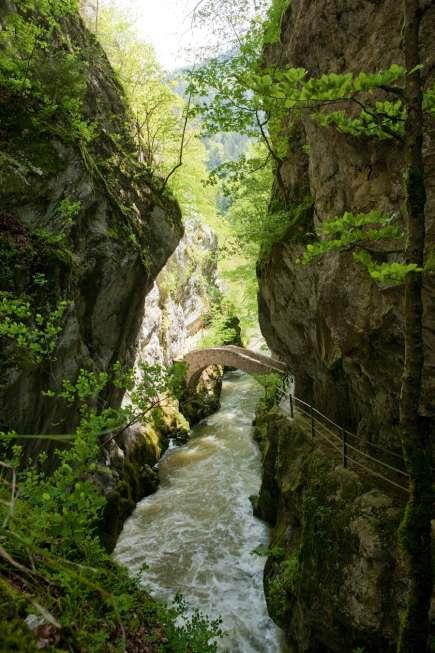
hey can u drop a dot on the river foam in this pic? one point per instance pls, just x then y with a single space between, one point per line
197 532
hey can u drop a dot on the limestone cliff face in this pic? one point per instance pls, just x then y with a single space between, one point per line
179 300
340 332
81 221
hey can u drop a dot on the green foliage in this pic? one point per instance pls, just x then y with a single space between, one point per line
293 85
245 96
284 584
248 228
272 384
84 390
53 246
253 225
292 223
225 23
197 633
36 267
157 112
351 231
429 100
385 273
384 120
430 261
230 104
68 209
224 147
248 216
238 271
272 24
35 65
237 93
154 106
222 325
28 338
246 186
155 381
147 388
51 559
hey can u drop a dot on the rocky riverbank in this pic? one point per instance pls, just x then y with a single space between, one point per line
332 579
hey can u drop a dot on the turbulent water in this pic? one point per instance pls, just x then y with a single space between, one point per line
197 532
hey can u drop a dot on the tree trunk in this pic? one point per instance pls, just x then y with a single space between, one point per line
97 15
415 529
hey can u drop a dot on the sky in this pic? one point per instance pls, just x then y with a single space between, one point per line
167 25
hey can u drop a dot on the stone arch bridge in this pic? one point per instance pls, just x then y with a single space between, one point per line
230 356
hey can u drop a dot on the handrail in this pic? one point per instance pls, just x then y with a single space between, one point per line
319 427
325 438
363 453
377 446
353 460
380 462
371 471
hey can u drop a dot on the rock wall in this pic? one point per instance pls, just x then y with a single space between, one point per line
175 312
340 332
81 220
332 580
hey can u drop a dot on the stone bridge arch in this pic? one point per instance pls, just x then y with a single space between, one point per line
230 356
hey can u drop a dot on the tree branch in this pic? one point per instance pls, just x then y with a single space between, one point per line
135 419
273 154
183 137
375 117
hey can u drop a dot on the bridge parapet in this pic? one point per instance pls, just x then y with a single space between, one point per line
267 360
231 356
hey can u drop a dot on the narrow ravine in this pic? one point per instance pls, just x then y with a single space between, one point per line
197 533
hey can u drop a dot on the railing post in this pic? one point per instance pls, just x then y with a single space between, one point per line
313 431
291 406
344 438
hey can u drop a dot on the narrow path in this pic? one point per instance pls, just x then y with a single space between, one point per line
378 465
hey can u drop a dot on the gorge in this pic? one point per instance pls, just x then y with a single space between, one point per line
151 223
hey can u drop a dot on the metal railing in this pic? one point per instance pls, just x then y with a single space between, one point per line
344 443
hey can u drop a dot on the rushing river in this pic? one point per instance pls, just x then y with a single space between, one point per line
197 532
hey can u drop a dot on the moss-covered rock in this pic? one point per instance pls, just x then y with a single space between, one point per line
204 399
130 474
170 422
332 580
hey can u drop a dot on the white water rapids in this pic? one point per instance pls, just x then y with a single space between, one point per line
197 532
